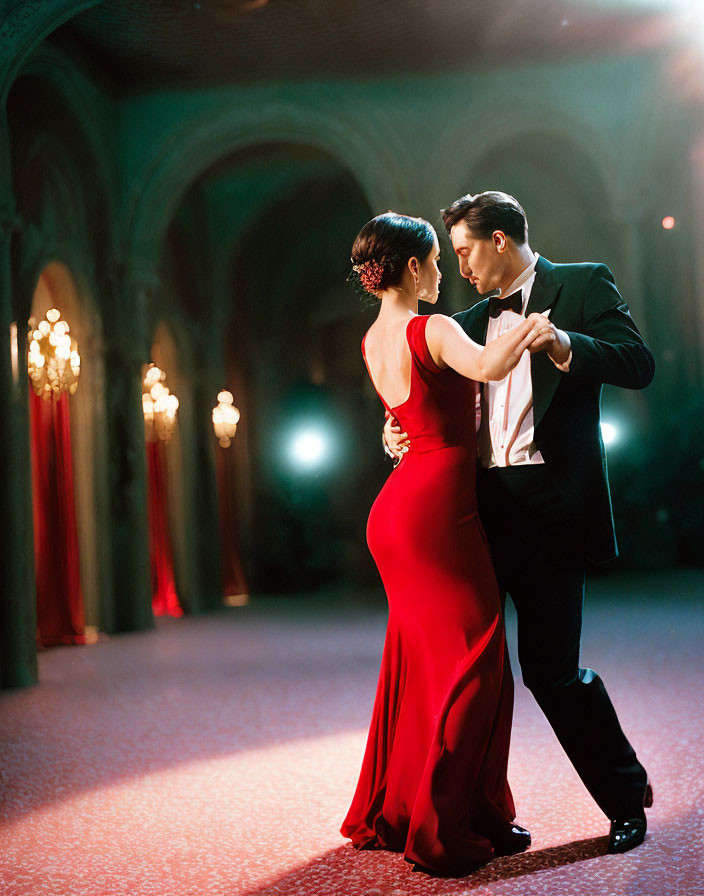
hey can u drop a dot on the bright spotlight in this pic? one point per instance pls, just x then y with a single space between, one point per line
668 222
609 433
309 448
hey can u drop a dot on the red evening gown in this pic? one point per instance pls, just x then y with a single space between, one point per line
433 781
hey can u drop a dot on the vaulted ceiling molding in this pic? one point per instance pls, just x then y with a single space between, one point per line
370 151
25 27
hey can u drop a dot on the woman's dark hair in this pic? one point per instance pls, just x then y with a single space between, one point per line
384 245
487 212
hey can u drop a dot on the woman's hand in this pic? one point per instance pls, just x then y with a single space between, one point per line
549 339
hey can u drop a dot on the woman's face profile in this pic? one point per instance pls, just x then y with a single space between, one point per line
429 276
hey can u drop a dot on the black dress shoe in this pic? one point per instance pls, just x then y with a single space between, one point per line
627 833
513 840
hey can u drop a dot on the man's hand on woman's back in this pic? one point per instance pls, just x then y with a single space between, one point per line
395 439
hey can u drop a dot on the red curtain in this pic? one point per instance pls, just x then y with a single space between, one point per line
233 580
164 596
60 616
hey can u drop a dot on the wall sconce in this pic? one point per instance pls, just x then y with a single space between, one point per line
225 418
53 362
158 405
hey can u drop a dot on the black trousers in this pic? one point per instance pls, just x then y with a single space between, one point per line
534 531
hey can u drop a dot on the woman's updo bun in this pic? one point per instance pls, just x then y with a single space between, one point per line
383 246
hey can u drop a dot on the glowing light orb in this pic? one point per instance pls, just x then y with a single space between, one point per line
309 448
609 433
668 222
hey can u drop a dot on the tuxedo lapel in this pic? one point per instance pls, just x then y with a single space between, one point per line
545 377
475 321
544 291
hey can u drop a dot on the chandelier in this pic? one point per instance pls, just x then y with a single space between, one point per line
53 362
159 406
225 418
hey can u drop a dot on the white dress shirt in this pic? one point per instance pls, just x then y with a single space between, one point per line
506 430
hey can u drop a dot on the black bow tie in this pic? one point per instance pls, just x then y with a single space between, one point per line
514 302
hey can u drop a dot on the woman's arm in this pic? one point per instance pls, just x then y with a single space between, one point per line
451 347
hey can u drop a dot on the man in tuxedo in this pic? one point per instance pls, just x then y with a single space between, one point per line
542 485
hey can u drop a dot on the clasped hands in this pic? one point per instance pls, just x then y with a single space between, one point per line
548 338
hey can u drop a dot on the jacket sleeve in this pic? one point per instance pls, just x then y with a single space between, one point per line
609 349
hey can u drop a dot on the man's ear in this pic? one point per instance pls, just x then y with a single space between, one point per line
500 240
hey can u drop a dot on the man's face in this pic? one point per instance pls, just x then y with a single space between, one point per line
482 261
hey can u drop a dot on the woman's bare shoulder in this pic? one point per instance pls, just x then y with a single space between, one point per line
440 325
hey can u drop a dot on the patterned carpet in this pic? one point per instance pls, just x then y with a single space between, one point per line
217 756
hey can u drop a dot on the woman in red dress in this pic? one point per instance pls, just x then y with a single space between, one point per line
433 782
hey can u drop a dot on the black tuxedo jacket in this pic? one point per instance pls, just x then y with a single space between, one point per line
606 348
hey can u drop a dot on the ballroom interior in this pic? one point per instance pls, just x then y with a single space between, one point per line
190 440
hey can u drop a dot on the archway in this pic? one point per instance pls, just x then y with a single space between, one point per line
61 183
270 231
292 348
66 534
197 146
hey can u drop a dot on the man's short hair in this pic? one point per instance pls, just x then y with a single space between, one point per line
484 213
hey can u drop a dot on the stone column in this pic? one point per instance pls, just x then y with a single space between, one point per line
208 374
697 161
18 614
127 350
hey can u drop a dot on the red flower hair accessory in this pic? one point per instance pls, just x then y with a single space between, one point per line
371 273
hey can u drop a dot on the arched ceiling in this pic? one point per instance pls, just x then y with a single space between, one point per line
283 209
187 43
